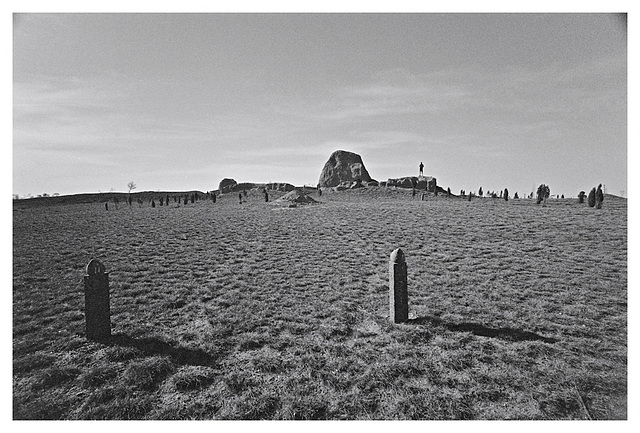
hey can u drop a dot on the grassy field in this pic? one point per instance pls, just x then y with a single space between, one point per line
255 311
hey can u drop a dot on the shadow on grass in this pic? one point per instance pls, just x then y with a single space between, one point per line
156 346
508 334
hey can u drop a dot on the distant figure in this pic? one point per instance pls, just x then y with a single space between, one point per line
214 197
421 168
240 197
106 206
266 196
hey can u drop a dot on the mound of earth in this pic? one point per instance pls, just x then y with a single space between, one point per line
343 166
294 198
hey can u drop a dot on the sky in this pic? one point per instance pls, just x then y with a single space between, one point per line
180 101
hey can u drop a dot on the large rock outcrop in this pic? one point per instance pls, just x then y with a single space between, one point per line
341 167
227 185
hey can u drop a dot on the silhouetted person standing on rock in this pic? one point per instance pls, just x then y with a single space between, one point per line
421 168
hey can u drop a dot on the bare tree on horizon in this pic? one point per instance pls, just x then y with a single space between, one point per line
131 187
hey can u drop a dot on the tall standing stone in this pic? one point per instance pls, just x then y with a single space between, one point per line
96 300
398 296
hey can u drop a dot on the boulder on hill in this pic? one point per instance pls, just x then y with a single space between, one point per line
341 167
227 185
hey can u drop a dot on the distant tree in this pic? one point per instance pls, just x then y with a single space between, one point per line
506 194
543 193
515 196
599 197
131 187
591 199
581 197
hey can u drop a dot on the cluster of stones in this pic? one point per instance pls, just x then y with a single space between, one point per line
230 185
595 198
424 183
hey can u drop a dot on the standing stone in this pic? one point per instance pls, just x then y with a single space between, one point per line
581 197
96 299
398 296
599 197
591 199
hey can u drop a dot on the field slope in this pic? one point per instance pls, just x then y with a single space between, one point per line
258 311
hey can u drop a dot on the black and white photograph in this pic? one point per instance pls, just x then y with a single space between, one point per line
296 214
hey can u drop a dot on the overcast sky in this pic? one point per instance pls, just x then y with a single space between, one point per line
180 101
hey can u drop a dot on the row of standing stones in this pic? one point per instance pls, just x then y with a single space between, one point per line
97 303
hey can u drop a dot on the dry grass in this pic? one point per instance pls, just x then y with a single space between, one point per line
254 311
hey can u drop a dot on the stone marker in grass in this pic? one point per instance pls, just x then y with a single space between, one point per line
96 301
398 297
